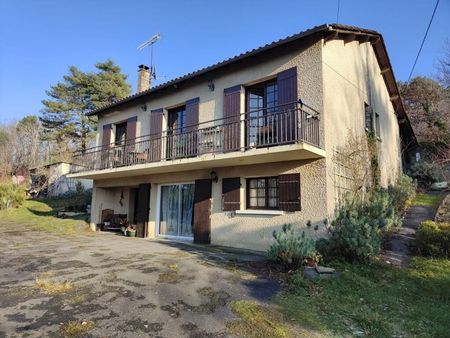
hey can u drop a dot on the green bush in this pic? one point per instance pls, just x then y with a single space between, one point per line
359 225
433 239
381 210
355 235
75 200
403 191
290 248
426 173
11 195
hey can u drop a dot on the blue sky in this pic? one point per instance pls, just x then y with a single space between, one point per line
39 40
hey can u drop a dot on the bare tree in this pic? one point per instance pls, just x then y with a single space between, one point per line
352 167
444 67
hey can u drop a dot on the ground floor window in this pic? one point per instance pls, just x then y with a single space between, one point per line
262 193
177 210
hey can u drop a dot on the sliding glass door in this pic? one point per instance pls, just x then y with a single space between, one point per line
176 210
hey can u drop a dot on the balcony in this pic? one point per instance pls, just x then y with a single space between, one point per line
268 135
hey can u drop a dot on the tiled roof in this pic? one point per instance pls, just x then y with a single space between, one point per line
207 69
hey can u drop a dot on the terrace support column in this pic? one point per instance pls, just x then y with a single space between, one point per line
95 209
242 119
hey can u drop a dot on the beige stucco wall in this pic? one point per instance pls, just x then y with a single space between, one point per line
255 231
351 76
307 60
227 228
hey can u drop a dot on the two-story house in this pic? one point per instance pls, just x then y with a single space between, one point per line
228 153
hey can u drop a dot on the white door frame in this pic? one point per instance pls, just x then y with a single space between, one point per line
158 213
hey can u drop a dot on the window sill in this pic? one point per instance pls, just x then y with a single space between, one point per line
259 212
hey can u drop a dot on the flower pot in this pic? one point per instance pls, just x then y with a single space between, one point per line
131 233
123 230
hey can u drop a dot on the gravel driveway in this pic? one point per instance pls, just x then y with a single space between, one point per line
106 285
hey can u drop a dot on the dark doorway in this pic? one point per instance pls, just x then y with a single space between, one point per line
202 211
143 209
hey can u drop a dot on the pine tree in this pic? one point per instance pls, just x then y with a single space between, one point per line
64 120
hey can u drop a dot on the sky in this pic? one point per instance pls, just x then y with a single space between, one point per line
39 40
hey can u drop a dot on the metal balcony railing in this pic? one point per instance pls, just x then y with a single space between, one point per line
265 127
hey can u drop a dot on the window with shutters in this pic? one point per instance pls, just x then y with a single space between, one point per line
368 117
177 119
377 125
262 193
176 137
121 133
262 103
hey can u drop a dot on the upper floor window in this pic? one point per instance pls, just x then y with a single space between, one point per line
121 133
262 98
368 116
372 120
262 102
377 125
177 119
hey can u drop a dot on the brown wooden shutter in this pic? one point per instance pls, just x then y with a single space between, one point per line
287 86
231 196
106 138
202 211
106 142
131 128
192 114
289 192
143 208
231 114
130 139
287 98
155 141
192 110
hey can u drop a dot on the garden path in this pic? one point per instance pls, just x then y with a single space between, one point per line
398 246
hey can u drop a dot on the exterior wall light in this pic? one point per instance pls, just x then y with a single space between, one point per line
211 85
214 176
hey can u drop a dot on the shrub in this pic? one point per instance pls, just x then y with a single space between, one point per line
355 236
380 209
403 191
290 248
11 195
76 200
433 239
426 173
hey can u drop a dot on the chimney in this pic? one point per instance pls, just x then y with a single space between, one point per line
143 78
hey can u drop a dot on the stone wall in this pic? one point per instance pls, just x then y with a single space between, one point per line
443 212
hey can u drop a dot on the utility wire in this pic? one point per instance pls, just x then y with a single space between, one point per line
423 41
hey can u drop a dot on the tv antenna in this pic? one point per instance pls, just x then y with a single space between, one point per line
150 42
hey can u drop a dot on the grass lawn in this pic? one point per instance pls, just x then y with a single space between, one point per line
41 215
374 300
427 200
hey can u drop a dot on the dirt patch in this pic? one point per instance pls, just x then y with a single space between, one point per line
216 299
192 331
147 306
141 325
73 264
97 254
